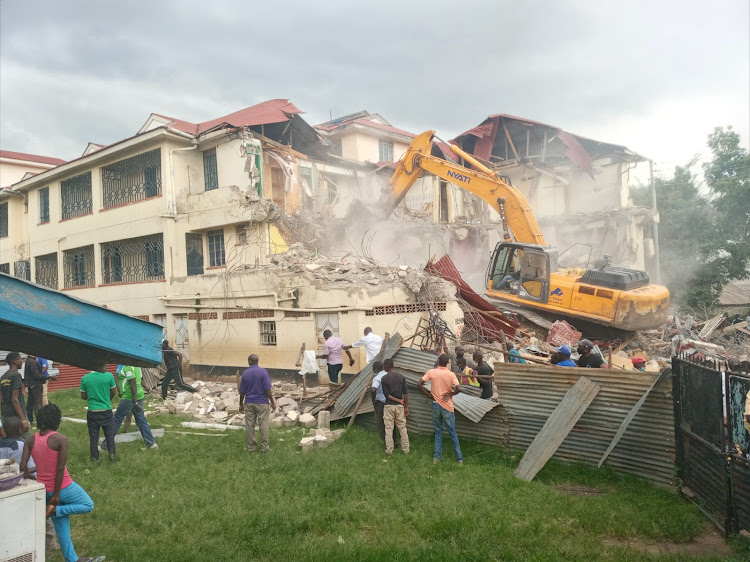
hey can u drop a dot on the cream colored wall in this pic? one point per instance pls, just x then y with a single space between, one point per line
14 247
362 147
12 172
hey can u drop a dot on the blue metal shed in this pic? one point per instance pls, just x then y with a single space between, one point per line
51 324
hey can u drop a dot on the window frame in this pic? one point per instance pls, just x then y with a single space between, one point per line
4 220
71 208
214 246
210 170
44 205
267 330
385 147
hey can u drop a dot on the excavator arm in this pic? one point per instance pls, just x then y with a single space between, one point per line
482 181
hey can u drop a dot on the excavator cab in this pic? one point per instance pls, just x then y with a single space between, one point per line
520 269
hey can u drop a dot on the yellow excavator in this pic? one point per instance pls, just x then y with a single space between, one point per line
523 269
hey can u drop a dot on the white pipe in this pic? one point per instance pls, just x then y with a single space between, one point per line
220 427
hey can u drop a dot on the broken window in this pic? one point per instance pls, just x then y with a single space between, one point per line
194 253
210 171
46 270
44 205
3 220
385 151
75 194
216 248
268 333
132 179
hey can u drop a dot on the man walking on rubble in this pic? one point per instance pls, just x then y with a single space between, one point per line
174 370
444 386
332 349
587 357
255 396
396 407
371 342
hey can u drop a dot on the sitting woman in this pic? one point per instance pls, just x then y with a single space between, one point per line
49 449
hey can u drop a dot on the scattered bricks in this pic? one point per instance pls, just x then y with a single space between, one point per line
288 387
220 405
324 433
204 391
307 443
324 419
293 415
171 408
308 409
320 441
181 397
277 422
226 395
286 404
234 409
201 411
337 433
218 416
286 422
307 420
313 432
402 274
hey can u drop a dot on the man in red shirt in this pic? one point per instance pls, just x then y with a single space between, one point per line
444 386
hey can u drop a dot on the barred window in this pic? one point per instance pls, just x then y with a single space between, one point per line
22 270
46 270
44 205
133 260
268 333
385 151
75 194
216 248
3 220
5 268
210 172
132 179
194 253
78 267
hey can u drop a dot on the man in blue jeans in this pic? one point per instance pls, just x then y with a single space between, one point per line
128 386
443 387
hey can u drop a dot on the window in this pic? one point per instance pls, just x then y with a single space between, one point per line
241 232
194 253
78 267
44 205
133 260
75 194
22 270
210 173
3 220
5 268
46 271
216 248
268 333
386 151
132 179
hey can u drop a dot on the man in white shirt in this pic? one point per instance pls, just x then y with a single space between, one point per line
371 342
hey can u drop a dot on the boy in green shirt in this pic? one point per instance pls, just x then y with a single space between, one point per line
98 387
129 385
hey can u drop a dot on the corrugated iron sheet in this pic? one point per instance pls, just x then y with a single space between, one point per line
70 377
531 393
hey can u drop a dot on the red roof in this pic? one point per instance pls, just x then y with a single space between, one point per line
31 157
272 111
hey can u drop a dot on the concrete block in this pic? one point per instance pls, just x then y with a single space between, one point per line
321 441
286 387
287 404
324 419
277 422
337 433
313 431
172 408
307 420
308 409
293 415
307 444
324 434
286 422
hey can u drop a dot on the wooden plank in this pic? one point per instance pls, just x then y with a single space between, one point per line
631 414
557 427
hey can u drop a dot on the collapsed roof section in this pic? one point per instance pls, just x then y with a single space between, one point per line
505 140
366 122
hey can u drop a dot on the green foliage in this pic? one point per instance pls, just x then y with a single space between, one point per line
704 239
203 497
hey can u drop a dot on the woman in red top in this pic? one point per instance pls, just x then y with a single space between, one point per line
49 450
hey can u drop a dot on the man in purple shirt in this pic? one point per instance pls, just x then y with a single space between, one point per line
255 395
332 353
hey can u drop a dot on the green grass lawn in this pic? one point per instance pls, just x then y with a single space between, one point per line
205 498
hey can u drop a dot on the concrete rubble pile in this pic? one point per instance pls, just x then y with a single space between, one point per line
321 435
217 402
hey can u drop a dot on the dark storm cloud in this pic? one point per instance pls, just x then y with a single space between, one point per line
71 72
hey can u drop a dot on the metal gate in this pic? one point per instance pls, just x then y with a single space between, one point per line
712 459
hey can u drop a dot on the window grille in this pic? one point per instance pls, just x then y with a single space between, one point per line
210 171
44 205
22 269
194 253
3 220
132 179
216 248
203 315
78 267
5 268
404 308
268 333
385 151
75 194
242 314
133 260
296 314
241 232
46 270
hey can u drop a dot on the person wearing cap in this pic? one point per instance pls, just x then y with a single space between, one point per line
639 363
587 358
563 353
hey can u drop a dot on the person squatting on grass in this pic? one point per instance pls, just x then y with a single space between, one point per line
98 388
444 386
49 449
396 407
255 395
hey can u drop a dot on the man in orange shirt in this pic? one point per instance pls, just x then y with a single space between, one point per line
444 386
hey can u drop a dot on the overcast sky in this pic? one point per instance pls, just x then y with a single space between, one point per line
656 76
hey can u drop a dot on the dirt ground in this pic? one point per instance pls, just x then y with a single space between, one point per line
710 543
